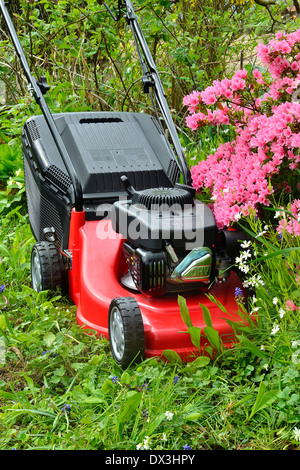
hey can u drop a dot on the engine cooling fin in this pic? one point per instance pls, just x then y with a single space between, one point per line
154 198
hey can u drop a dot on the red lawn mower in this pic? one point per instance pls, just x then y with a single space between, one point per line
116 222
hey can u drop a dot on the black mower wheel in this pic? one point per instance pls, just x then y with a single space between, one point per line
48 270
126 331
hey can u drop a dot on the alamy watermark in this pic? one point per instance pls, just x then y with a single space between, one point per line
137 222
296 96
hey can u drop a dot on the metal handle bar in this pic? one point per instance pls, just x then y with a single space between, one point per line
150 71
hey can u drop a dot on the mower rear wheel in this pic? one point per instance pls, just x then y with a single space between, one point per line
126 331
48 270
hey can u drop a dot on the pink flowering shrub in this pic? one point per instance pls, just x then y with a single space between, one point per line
261 107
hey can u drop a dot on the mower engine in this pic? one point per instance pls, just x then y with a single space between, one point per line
172 242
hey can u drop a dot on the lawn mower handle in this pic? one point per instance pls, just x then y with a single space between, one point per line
151 79
38 89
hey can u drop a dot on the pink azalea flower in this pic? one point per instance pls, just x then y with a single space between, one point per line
239 173
291 305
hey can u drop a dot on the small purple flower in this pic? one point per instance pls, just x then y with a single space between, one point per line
238 292
176 378
66 408
114 379
2 287
186 447
50 354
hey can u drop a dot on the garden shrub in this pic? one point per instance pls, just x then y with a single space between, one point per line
261 163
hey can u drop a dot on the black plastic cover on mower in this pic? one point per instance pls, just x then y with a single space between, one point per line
103 147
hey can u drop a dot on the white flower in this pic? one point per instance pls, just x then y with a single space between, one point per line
238 260
275 329
254 281
281 312
169 415
277 214
164 437
246 254
260 234
144 445
246 244
296 432
256 309
237 216
244 268
146 442
275 300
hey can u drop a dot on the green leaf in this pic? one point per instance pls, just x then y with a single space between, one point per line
8 325
184 311
250 346
155 423
213 337
126 378
93 400
263 400
171 356
27 338
30 383
201 361
192 416
238 326
195 335
49 339
206 315
2 323
25 411
107 387
217 302
130 406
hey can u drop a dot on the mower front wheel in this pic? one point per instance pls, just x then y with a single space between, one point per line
48 270
126 331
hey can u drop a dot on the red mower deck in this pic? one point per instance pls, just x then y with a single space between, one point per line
97 268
